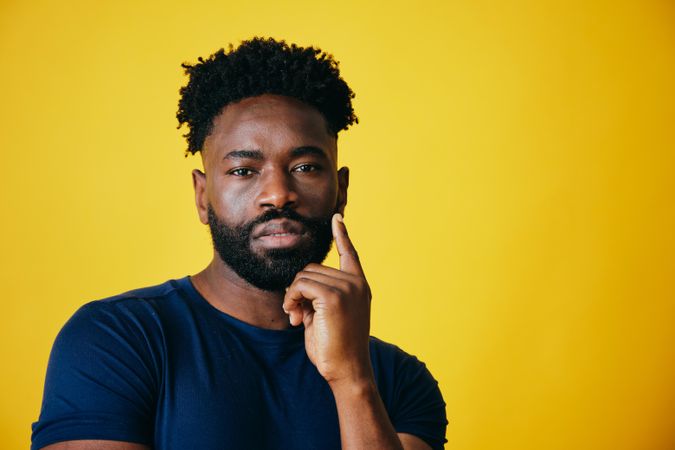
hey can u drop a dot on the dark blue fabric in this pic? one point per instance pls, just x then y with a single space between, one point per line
160 366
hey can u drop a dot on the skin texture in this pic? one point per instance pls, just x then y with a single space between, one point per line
333 304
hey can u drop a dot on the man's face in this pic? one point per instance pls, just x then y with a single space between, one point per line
270 187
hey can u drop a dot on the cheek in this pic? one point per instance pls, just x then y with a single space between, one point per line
230 201
320 199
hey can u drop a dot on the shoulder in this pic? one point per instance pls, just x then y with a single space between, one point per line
131 323
140 307
136 300
391 358
106 368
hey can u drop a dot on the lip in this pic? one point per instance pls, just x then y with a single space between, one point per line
279 233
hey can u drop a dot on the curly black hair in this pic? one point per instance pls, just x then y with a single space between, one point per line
262 66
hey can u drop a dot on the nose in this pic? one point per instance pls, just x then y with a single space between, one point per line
277 190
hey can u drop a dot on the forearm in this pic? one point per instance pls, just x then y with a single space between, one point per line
364 423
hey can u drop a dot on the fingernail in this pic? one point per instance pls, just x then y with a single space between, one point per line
339 218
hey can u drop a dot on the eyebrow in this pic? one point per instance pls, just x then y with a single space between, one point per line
307 150
258 154
245 154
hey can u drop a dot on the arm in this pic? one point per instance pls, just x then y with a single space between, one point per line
334 306
364 422
100 383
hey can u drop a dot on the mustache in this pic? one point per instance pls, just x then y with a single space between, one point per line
285 213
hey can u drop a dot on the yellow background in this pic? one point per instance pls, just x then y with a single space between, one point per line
512 193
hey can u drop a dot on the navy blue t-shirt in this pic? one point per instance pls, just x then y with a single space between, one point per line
160 366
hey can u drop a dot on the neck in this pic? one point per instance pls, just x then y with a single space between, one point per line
229 293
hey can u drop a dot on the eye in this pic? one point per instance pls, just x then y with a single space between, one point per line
306 168
241 172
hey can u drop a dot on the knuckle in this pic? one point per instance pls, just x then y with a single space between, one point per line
361 283
343 285
300 275
334 294
334 290
363 287
351 288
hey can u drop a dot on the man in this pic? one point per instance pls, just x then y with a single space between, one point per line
265 348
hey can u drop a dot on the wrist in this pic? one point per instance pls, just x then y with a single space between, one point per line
356 385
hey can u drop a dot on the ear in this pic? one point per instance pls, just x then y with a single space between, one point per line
343 184
202 202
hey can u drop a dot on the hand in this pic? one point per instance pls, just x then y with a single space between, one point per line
334 306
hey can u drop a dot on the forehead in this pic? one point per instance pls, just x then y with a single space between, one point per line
273 124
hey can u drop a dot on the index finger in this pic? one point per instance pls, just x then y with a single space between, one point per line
349 259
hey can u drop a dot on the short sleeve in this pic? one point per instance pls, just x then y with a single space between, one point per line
419 408
101 380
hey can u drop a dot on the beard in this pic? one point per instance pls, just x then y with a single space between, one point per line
273 269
